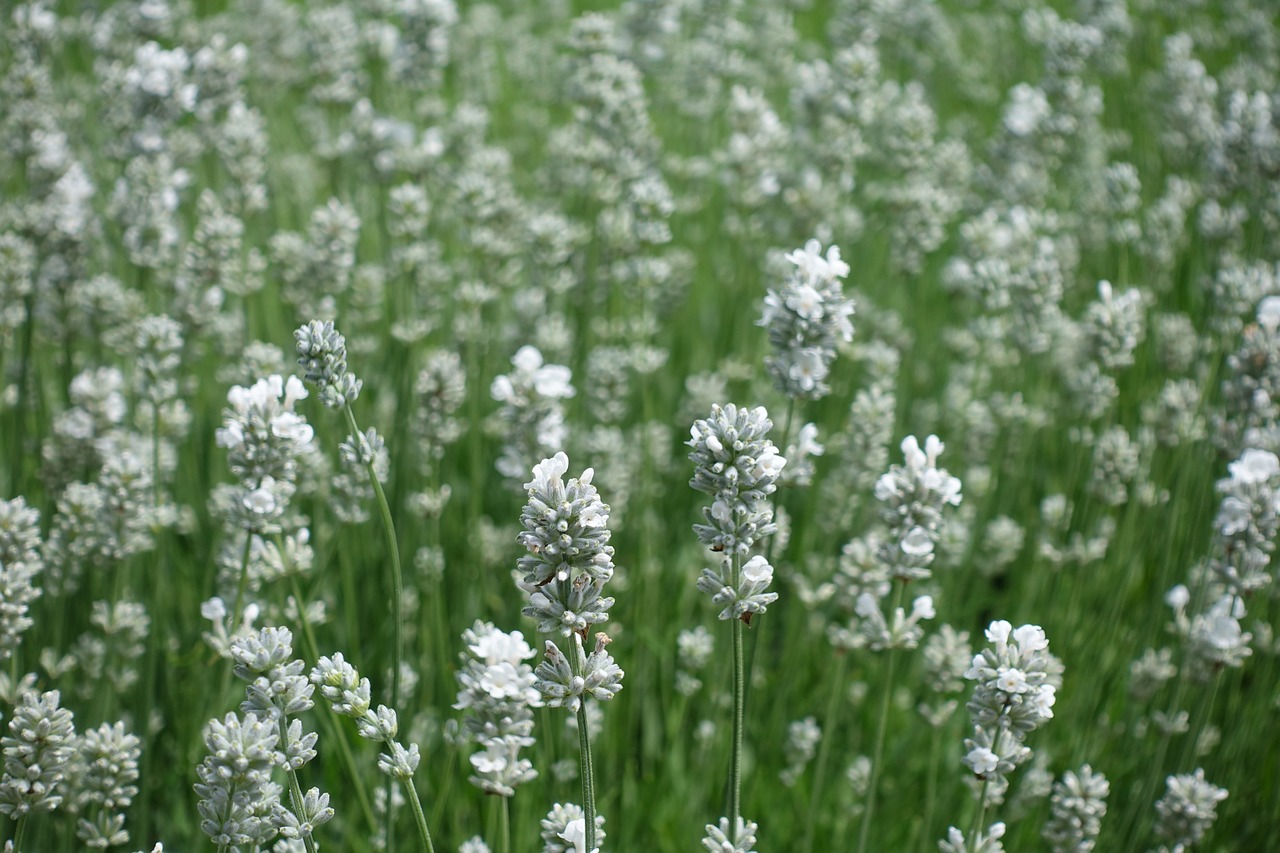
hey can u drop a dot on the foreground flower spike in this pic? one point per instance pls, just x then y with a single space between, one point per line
239 804
569 561
36 755
498 691
104 770
1014 693
739 467
805 319
322 353
278 690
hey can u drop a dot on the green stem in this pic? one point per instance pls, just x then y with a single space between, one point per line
295 789
504 825
824 748
931 786
242 586
423 833
393 548
584 756
18 832
336 731
739 703
981 814
877 755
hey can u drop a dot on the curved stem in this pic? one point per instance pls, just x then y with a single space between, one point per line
877 756
584 757
295 789
981 815
424 834
393 551
344 746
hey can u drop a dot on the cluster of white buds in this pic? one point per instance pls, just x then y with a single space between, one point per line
1014 693
1187 810
903 631
278 691
532 414
913 495
805 320
498 691
720 839
1076 808
322 354
564 830
737 464
349 695
1213 638
569 561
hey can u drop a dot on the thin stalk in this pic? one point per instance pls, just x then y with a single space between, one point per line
424 834
864 834
981 814
18 832
295 789
584 757
393 548
739 705
242 587
824 748
504 825
335 730
1203 708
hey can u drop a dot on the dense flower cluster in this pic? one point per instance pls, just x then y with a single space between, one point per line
497 691
1187 810
805 319
1013 695
913 496
1077 806
736 463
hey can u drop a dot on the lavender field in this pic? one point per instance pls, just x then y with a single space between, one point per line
824 426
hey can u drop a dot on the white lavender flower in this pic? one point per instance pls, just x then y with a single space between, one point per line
741 840
498 691
37 750
983 842
349 696
102 777
322 354
1247 521
565 684
1187 810
532 414
913 496
1012 696
239 804
735 463
557 837
805 319
1214 638
1077 805
903 631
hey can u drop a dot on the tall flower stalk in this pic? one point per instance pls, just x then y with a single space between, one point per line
322 354
912 497
736 463
569 562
